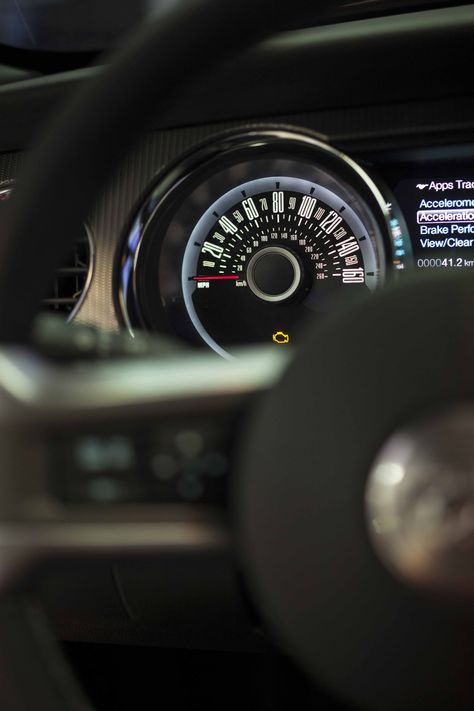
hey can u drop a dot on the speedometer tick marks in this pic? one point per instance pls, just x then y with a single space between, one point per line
275 254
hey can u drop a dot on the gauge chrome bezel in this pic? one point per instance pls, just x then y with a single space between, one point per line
176 181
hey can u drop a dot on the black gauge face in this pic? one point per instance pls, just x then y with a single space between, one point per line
267 252
256 239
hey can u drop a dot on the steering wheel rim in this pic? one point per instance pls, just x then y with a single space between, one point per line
58 189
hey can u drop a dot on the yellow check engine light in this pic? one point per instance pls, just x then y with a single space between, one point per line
281 338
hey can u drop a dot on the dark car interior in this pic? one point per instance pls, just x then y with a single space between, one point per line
236 346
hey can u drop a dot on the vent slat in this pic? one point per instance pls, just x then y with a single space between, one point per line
63 301
70 271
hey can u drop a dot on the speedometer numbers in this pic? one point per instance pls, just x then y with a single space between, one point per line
282 250
244 239
296 222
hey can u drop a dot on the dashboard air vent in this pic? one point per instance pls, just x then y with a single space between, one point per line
71 280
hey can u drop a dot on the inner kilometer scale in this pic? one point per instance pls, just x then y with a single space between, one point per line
268 252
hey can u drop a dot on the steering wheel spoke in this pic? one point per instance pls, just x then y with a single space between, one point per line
119 459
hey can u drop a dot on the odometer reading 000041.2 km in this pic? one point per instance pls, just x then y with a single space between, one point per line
266 253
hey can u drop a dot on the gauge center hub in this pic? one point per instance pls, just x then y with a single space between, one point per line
274 274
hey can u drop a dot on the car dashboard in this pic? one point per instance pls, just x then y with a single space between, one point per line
368 119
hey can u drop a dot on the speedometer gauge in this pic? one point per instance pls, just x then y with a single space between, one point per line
245 239
268 250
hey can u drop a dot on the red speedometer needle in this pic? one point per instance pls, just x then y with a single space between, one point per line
214 278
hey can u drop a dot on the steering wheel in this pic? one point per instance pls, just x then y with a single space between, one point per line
372 600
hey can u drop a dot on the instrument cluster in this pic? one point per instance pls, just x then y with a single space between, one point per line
243 239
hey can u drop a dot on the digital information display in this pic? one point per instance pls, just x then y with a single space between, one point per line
440 217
